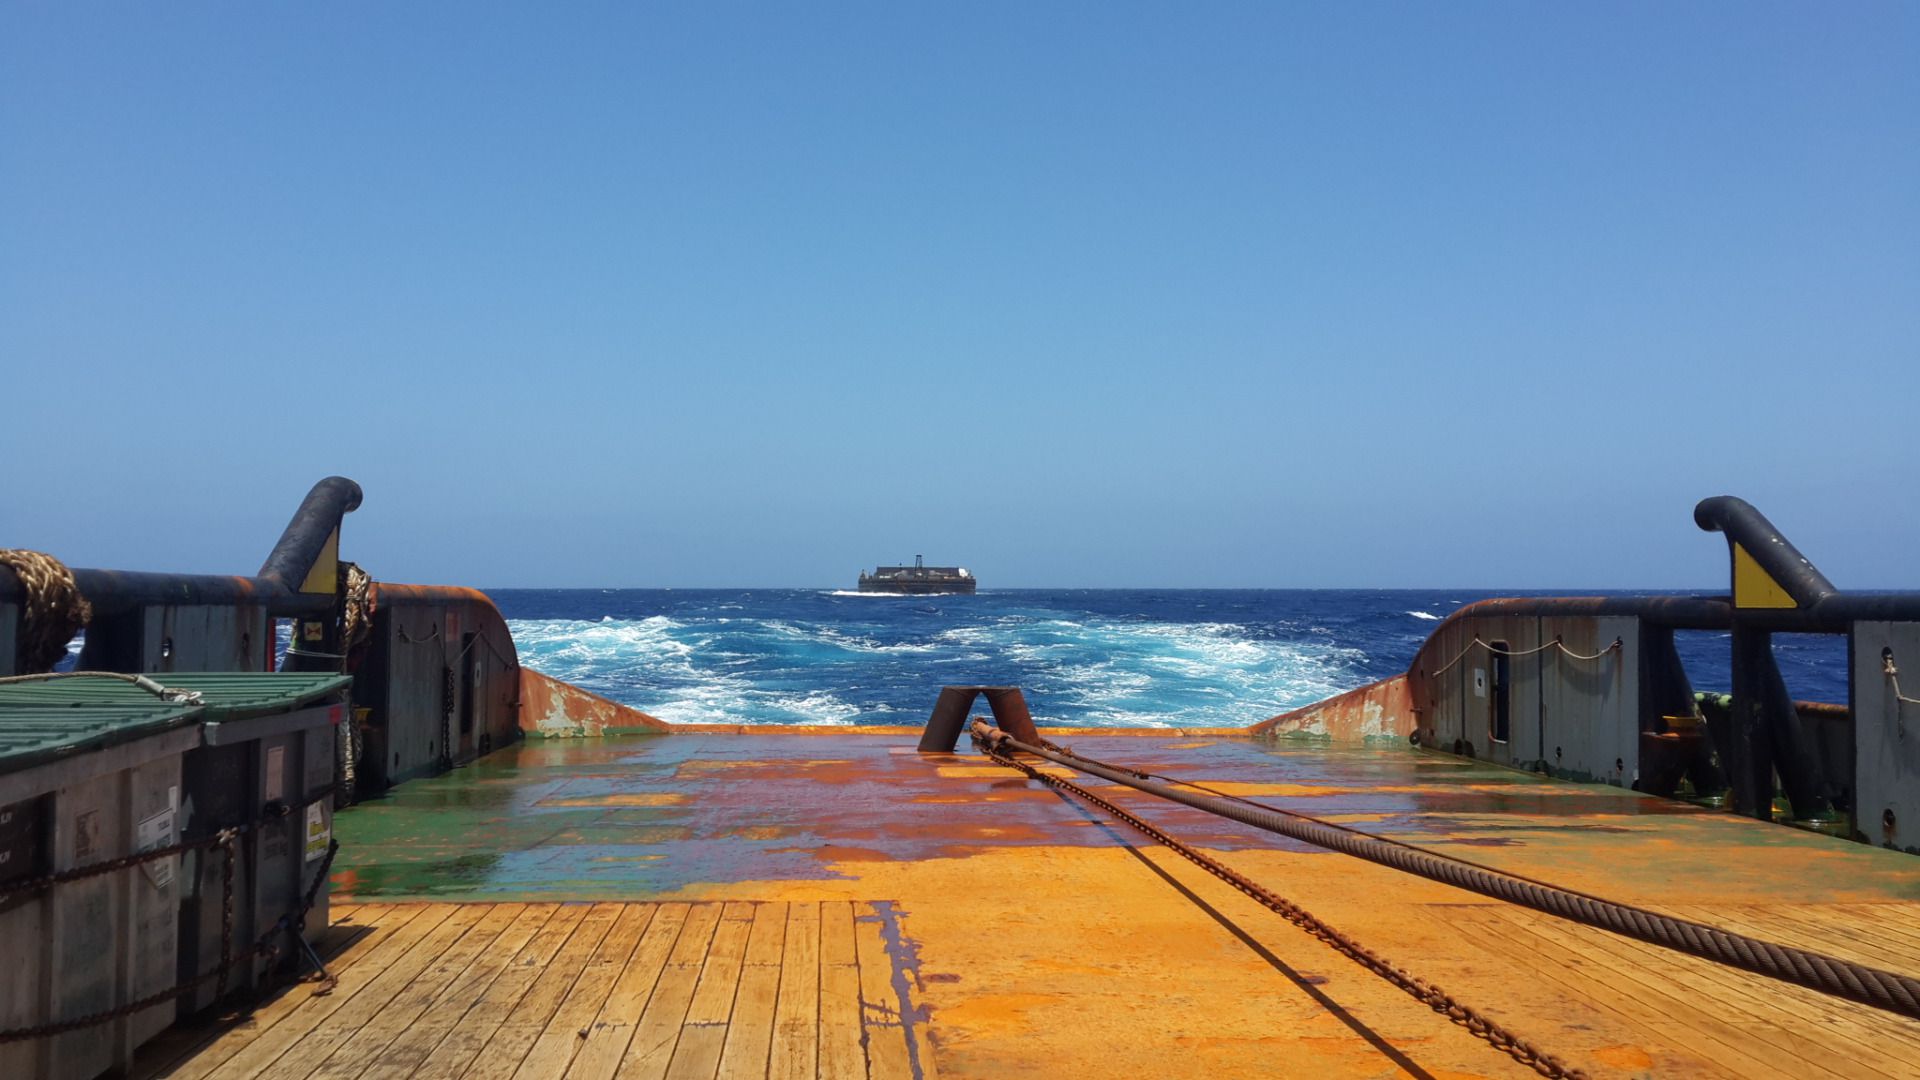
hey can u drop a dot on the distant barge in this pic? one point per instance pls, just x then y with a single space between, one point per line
918 579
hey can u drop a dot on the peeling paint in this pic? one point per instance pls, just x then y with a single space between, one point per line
1382 710
551 708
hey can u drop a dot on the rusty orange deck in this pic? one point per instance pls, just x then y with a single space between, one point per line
535 914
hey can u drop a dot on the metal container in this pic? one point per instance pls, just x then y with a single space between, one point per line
89 774
265 769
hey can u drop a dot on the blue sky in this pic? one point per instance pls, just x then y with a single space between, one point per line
1263 295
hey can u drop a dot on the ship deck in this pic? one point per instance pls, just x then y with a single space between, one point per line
840 905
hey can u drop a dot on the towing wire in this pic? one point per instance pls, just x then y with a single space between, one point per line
1425 992
1841 978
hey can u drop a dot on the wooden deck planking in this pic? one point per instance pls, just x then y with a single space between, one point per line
1895 920
1748 1024
500 1058
342 1024
703 1033
658 1031
1570 973
887 1057
606 1043
361 1051
739 989
840 1051
188 1052
552 1052
475 1028
250 1049
1682 991
407 1055
796 1017
750 1032
1828 1014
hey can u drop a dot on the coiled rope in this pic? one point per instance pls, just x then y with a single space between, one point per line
356 624
54 609
1556 643
1855 982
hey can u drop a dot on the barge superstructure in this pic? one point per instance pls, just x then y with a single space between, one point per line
918 579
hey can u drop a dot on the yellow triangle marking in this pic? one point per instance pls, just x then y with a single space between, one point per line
1754 587
324 577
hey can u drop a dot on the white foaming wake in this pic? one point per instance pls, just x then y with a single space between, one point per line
676 671
1424 615
1096 672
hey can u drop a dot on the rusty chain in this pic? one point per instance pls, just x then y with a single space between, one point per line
79 873
226 910
225 841
1495 1034
326 980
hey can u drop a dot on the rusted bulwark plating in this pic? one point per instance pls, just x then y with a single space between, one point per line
1378 710
556 709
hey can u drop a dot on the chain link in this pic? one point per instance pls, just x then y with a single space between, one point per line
226 841
226 911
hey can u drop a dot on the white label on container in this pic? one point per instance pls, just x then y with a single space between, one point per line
1479 682
276 773
86 834
156 832
317 832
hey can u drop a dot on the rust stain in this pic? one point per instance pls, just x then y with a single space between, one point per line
1624 1057
1379 710
784 765
553 708
629 798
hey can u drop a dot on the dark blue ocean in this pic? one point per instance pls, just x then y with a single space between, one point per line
1182 658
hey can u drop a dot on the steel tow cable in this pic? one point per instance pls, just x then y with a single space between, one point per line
1495 1034
1832 975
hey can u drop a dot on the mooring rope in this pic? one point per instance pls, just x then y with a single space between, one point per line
54 609
1832 975
1556 643
165 693
356 624
1893 676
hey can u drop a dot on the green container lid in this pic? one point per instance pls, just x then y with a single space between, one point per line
45 720
32 735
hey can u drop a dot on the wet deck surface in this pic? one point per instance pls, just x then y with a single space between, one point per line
1022 935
